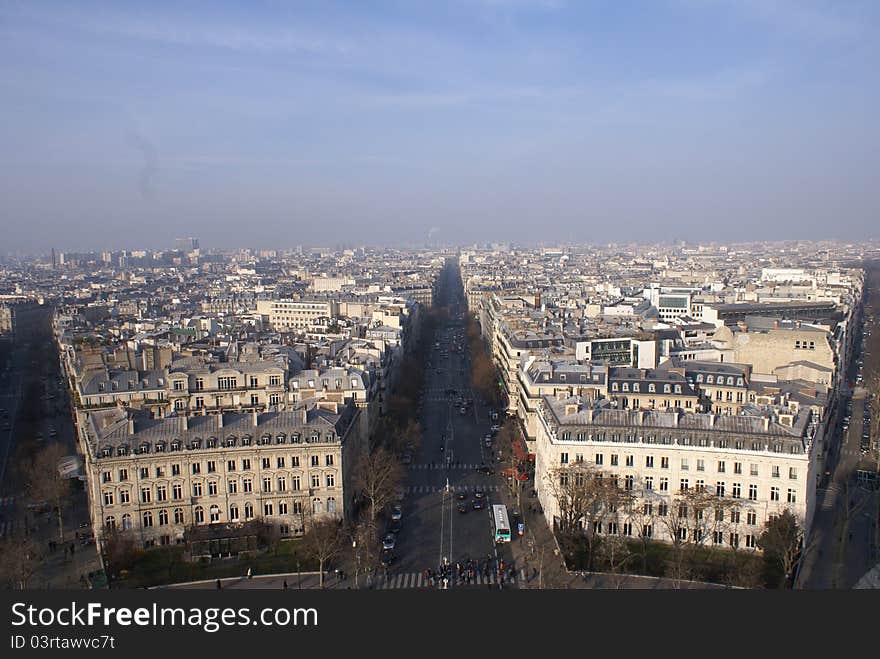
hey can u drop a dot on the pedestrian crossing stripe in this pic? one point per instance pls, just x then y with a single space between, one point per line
417 580
442 465
424 489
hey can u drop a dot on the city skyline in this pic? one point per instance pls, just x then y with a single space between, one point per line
492 121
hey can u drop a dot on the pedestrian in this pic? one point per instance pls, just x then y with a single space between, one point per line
249 574
219 585
284 585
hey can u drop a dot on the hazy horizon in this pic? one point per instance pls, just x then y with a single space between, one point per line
265 125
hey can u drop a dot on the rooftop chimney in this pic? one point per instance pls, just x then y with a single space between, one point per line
131 426
185 422
256 418
220 420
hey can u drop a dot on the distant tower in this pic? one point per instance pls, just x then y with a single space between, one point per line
54 265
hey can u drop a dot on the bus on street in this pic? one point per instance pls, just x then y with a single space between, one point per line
502 524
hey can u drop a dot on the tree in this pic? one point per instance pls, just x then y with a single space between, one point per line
45 482
585 497
781 543
323 542
378 477
19 560
121 550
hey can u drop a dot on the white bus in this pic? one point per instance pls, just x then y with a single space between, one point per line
502 524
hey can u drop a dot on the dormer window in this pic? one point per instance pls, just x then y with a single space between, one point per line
122 450
666 389
144 448
699 377
211 443
730 380
160 447
710 379
562 377
295 384
311 384
175 445
230 442
613 386
295 438
196 443
106 452
739 382
635 387
265 439
652 388
678 388
245 440
281 438
625 386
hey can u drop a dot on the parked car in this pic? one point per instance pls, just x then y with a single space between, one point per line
478 504
394 526
389 541
388 557
462 507
396 511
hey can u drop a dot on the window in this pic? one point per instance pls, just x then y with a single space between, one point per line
647 508
163 517
751 541
751 518
233 512
792 496
774 471
126 522
266 463
737 468
145 495
700 485
721 466
147 518
212 466
684 485
563 458
160 472
314 460
108 498
282 484
792 473
294 461
212 488
753 470
599 458
294 483
701 465
196 468
177 491
110 522
662 509
649 483
649 461
247 485
719 488
664 463
331 480
647 531
736 492
267 484
199 515
106 477
628 482
144 472
161 493
316 480
331 504
197 489
684 464
124 496
248 511
316 506
753 492
245 463
232 486
175 470
664 484
774 494
629 461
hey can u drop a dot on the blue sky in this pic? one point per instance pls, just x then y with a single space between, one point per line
279 123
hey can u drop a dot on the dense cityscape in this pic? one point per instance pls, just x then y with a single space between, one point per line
678 415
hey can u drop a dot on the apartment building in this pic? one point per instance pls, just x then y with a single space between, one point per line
287 315
753 463
157 477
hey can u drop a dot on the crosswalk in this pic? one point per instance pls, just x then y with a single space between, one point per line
418 580
426 489
420 466
830 496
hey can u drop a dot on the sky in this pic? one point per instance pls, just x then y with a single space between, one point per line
274 124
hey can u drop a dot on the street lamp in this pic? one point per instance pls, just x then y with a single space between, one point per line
357 558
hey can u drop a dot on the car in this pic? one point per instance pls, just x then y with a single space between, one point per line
462 507
478 493
396 511
406 459
389 541
394 526
478 504
388 557
495 428
485 469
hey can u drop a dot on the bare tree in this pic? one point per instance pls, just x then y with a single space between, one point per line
378 477
19 560
323 542
45 483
